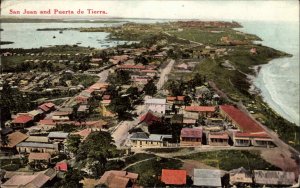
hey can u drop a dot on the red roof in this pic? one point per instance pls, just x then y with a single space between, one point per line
61 166
106 97
218 135
149 118
180 98
39 156
46 122
245 123
255 135
191 132
22 119
131 67
200 108
173 177
171 98
46 106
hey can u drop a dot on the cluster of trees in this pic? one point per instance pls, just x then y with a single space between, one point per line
121 77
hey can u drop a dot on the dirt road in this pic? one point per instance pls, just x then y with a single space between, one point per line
163 75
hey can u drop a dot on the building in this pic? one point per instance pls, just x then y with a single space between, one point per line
61 166
249 131
156 105
208 177
194 112
46 124
28 147
58 136
39 158
240 177
61 116
276 178
22 121
13 139
118 179
141 139
36 180
217 139
150 117
173 177
37 139
252 139
191 137
47 107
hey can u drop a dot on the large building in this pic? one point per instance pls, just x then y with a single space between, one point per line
156 105
248 132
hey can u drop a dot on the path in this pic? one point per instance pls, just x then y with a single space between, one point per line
138 162
163 75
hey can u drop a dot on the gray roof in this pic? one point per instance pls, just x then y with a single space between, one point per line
58 135
266 177
155 101
151 137
208 177
36 145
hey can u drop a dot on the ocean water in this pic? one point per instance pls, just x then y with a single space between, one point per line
278 80
25 35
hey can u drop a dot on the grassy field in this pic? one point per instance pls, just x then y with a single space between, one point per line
208 36
232 159
149 171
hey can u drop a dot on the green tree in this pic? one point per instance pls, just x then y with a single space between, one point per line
95 150
120 105
71 179
73 143
150 88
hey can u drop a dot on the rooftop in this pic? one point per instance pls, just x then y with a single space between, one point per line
58 135
266 177
36 145
208 177
22 119
200 108
245 123
15 138
39 156
155 101
173 177
191 132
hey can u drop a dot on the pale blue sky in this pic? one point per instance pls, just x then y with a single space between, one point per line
212 10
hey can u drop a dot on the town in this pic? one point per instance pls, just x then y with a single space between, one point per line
170 110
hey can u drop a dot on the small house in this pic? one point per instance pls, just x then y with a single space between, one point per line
141 139
208 177
118 179
191 136
240 177
273 178
156 105
194 112
217 139
22 121
173 177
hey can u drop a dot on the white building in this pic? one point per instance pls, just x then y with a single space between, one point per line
156 105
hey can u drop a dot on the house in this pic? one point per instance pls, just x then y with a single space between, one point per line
217 139
240 177
131 67
150 117
61 116
156 105
254 139
249 131
61 166
28 147
194 112
273 178
58 136
191 136
47 107
208 177
141 139
13 139
37 139
173 177
22 121
118 179
46 124
93 125
36 114
83 133
36 180
39 158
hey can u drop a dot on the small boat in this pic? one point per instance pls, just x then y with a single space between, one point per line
54 37
60 32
